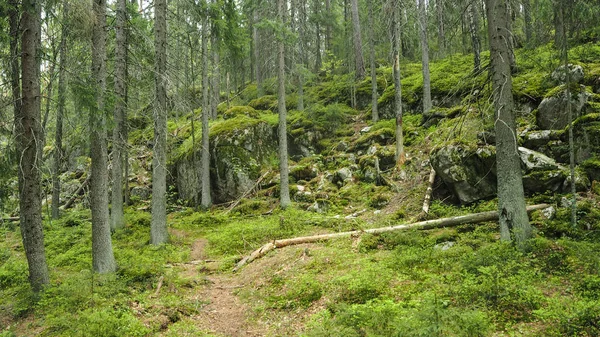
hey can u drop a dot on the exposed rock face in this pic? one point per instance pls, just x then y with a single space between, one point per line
559 75
238 148
552 112
468 172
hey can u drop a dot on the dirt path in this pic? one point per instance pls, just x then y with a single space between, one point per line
225 314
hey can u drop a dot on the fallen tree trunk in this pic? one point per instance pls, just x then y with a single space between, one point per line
427 200
68 204
428 224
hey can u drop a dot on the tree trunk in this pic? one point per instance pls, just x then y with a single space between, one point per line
216 75
357 40
514 224
474 31
158 226
206 200
439 4
284 195
60 111
423 225
117 220
328 46
565 57
397 84
255 46
302 42
528 24
374 95
425 57
103 259
28 131
318 61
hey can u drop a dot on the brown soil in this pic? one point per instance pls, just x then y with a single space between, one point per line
224 314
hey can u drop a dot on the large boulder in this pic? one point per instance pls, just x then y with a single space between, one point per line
575 72
552 112
239 147
470 173
466 171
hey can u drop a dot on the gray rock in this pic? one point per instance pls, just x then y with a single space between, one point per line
535 139
535 161
575 74
549 212
468 172
552 112
365 129
444 245
141 192
342 176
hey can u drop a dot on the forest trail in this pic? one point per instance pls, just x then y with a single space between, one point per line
224 314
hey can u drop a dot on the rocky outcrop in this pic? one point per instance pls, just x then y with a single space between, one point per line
471 176
552 112
468 172
239 147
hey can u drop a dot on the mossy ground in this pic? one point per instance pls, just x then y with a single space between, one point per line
447 282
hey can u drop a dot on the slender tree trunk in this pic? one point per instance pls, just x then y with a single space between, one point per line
514 223
284 195
302 56
439 4
474 31
318 60
60 111
206 200
357 40
565 57
397 84
257 61
328 46
528 23
216 75
117 220
425 57
103 259
28 131
374 95
158 229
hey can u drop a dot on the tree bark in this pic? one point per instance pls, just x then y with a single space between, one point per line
374 95
29 131
399 155
158 226
103 260
255 46
357 40
439 4
60 111
514 224
284 194
528 25
318 60
216 75
206 200
117 220
474 31
423 225
425 57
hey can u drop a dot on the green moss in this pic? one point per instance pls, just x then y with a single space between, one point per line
240 110
228 126
267 102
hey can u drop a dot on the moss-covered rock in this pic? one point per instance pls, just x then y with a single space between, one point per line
239 148
552 112
235 111
267 102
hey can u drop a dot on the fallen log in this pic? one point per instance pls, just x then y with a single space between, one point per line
68 204
427 200
422 225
